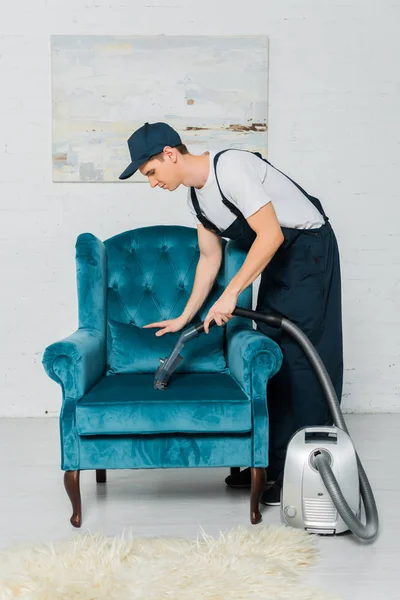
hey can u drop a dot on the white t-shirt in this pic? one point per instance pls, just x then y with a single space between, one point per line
250 183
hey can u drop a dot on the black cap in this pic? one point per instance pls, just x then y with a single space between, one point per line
148 140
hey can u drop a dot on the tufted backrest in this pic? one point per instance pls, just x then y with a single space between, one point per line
150 275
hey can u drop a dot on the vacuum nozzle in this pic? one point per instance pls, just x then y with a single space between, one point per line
165 371
171 363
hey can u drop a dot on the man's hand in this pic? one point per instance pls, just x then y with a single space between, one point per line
168 326
221 310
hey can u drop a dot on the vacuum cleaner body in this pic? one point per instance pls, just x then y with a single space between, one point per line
306 503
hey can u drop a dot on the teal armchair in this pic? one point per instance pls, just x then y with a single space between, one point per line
214 411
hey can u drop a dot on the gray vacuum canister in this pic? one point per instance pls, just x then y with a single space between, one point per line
306 503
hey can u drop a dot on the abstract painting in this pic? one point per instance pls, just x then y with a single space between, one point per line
212 89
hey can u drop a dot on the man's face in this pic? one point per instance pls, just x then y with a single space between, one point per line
162 173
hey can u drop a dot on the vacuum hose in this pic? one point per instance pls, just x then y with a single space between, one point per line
367 531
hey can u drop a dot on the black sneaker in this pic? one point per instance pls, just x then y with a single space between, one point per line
271 496
241 480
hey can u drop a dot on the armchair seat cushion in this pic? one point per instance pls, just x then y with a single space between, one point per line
127 403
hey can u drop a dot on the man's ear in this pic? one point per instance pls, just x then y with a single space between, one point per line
170 153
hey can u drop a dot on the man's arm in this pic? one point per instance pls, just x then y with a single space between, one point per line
241 179
269 237
207 269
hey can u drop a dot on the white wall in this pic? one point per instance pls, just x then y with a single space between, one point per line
334 125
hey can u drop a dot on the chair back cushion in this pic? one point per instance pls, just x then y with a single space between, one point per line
150 273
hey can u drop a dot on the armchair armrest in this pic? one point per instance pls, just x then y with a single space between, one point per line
76 362
253 359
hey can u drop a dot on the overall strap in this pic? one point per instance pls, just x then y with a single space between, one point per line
312 199
234 209
201 217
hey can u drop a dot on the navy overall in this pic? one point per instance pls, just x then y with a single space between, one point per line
302 283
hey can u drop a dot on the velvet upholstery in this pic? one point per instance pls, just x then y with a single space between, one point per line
128 403
214 412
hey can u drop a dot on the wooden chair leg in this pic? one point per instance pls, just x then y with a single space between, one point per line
235 470
71 484
258 480
101 476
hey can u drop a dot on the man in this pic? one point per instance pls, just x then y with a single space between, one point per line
238 195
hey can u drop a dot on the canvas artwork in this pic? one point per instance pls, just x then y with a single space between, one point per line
212 89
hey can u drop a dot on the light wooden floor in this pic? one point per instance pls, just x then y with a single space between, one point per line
35 507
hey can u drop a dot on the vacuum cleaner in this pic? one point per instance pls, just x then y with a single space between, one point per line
324 480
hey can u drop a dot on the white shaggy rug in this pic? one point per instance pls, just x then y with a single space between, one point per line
247 563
